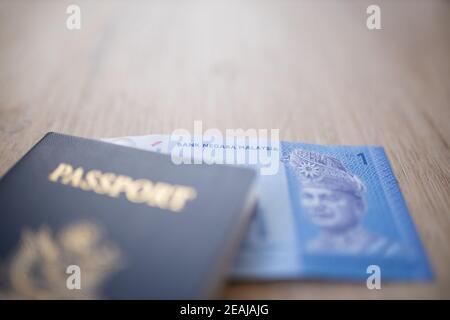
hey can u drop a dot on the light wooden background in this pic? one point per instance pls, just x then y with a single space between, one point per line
311 69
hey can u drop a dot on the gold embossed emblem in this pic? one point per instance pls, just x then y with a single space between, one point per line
37 269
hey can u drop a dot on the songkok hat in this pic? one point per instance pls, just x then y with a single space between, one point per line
322 171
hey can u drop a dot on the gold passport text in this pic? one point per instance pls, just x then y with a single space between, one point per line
155 194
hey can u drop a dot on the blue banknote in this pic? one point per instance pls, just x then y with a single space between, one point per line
327 212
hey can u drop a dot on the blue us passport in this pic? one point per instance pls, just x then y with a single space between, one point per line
84 219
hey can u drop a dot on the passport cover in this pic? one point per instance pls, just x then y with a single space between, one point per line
87 219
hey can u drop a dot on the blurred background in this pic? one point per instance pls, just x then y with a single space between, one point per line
313 69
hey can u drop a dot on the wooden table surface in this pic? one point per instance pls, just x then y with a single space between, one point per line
311 69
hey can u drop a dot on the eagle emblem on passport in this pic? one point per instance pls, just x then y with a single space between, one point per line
38 268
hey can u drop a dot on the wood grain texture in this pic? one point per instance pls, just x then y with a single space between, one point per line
311 69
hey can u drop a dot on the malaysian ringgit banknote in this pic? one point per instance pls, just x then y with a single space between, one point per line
327 212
